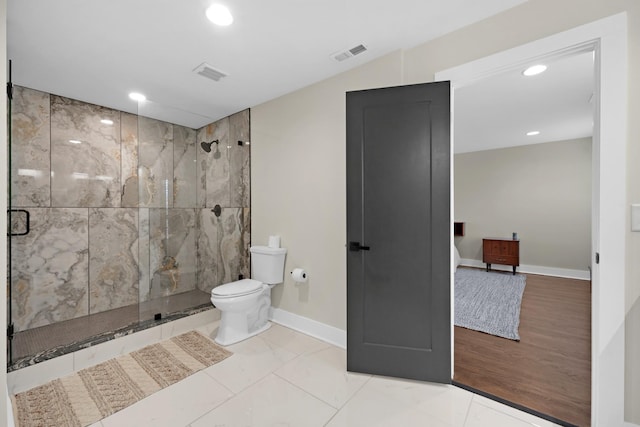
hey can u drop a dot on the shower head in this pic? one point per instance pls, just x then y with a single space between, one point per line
206 146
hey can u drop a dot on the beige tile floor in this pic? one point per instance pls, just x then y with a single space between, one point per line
285 378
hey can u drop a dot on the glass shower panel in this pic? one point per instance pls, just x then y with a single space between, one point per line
73 266
169 214
224 194
10 228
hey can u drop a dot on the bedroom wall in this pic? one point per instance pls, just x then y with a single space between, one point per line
540 191
306 194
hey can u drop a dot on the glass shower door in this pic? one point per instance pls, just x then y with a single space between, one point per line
73 252
170 220
194 208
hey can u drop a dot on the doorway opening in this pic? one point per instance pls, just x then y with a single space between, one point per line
607 38
537 187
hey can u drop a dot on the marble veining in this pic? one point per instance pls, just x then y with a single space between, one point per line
144 247
155 180
213 167
172 251
30 148
49 268
239 160
184 167
113 261
230 244
129 150
206 250
85 154
245 241
223 247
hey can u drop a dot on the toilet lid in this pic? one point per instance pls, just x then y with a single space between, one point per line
237 288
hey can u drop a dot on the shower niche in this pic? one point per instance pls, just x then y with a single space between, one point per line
119 211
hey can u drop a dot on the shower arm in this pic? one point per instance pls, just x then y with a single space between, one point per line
206 146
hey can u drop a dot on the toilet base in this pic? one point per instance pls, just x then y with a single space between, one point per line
231 338
243 317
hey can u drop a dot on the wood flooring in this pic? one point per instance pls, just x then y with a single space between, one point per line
549 369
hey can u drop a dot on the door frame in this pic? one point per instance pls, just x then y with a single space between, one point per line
608 38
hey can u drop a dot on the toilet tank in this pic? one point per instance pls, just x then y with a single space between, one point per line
267 264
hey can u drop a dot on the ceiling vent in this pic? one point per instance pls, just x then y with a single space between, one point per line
349 53
209 72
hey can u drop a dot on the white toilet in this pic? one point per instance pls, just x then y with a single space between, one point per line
245 303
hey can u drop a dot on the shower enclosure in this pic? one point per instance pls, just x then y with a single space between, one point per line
117 221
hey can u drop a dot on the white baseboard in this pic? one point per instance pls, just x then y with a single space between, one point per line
338 337
10 419
532 269
311 327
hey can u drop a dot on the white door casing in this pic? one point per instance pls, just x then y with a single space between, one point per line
607 37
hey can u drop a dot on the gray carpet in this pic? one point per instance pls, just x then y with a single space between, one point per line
489 301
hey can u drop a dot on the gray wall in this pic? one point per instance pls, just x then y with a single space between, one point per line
541 191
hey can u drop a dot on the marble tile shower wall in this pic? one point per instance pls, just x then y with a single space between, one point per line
121 212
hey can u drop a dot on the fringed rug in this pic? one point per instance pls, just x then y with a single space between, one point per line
489 302
94 393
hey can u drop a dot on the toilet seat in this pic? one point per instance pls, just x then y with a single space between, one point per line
237 289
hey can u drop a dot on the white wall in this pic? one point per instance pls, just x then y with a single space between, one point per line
298 176
540 191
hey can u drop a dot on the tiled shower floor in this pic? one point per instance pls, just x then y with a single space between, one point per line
49 341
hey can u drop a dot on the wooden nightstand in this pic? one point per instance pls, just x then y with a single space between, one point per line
496 250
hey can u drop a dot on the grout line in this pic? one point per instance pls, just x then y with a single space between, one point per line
317 397
468 411
306 392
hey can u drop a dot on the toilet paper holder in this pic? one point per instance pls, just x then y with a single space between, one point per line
299 275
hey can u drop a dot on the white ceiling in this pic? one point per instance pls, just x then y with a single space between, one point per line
498 111
99 51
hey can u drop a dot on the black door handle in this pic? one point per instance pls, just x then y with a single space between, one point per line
27 222
356 246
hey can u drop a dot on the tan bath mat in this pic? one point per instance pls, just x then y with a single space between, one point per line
92 394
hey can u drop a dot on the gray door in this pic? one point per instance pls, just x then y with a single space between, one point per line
398 232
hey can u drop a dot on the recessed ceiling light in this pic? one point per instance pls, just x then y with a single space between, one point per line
534 69
75 141
106 122
533 133
137 96
219 15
